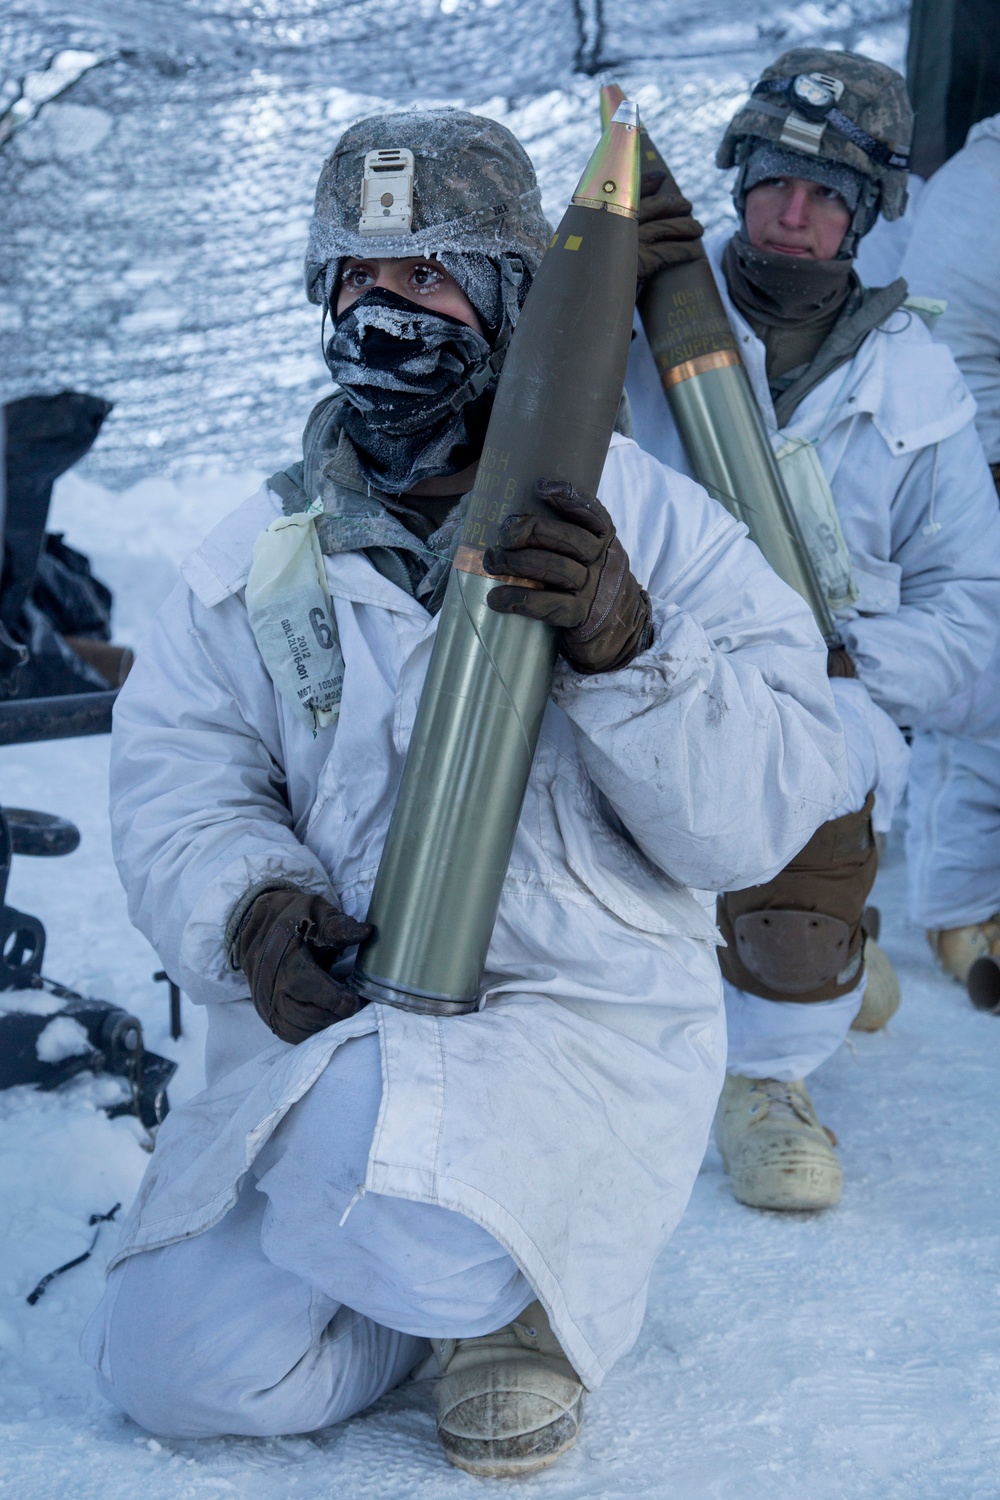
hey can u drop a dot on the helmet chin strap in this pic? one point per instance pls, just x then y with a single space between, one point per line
863 218
511 277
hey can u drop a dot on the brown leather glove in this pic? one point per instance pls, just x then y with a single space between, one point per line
285 944
668 235
588 591
839 663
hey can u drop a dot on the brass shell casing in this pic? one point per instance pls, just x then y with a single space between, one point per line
714 408
697 366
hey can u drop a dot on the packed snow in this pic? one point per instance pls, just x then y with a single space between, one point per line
154 221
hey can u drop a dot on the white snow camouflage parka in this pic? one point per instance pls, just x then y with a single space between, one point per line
896 437
570 1114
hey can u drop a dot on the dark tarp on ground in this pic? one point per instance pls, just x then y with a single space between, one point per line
46 588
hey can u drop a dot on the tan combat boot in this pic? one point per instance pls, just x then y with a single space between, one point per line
509 1402
881 1000
773 1147
957 948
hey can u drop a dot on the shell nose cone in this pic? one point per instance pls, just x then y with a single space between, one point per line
611 178
627 113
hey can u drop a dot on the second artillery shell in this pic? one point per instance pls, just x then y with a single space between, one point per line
714 407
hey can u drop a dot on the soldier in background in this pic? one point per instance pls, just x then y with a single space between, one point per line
872 419
953 834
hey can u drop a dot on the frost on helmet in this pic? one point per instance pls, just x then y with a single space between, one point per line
474 195
835 106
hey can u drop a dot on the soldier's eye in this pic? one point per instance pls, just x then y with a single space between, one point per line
426 276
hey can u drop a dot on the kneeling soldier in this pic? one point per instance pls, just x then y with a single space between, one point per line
361 1186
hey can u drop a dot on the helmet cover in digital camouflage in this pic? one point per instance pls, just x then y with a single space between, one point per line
873 100
474 195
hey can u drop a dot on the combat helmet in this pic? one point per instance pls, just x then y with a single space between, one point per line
837 107
438 183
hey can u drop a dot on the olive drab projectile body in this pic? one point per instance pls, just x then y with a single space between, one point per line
440 877
713 405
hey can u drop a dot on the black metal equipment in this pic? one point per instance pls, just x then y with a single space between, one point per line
58 679
108 1039
26 720
113 1046
162 977
22 938
55 616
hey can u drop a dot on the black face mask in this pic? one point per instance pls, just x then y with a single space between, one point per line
402 370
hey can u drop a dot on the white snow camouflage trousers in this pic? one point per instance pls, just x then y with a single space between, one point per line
311 1298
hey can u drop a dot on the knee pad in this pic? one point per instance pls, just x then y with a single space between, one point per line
799 937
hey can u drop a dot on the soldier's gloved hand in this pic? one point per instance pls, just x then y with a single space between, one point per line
285 944
668 235
588 591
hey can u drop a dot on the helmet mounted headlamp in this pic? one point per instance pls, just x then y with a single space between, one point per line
813 100
814 94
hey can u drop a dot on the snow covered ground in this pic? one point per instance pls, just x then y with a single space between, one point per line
849 1356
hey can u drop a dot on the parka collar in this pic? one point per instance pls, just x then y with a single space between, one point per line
908 385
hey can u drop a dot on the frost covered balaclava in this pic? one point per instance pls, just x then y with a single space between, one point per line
413 411
419 385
